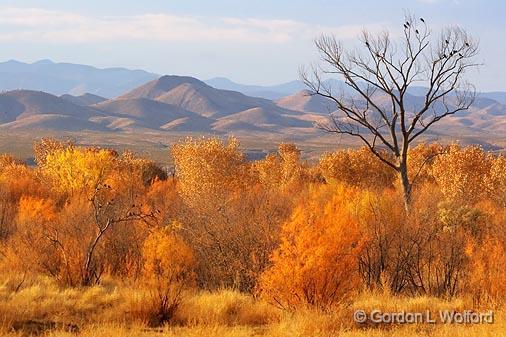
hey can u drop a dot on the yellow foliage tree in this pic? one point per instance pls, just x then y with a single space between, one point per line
283 171
78 169
209 171
357 168
420 161
461 173
496 181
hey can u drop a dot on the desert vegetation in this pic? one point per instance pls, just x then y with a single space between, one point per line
101 243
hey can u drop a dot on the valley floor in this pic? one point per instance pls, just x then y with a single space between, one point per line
155 145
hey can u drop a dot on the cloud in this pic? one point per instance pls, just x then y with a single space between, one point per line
41 25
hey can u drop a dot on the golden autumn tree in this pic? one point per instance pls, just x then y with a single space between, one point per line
356 168
316 263
421 159
211 178
461 173
230 216
284 170
496 181
46 146
74 169
209 171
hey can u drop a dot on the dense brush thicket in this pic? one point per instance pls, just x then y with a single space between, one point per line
294 233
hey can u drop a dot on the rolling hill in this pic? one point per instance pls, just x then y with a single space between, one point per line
171 103
194 95
153 114
19 104
186 104
304 102
84 100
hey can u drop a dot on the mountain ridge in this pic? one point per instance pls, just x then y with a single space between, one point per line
186 104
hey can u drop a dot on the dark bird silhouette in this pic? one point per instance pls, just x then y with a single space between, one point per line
367 44
467 44
407 23
421 19
447 42
460 54
405 27
416 31
444 56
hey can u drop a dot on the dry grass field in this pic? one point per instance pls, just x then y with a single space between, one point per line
116 309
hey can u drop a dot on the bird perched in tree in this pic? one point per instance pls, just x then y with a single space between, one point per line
367 44
467 44
421 19
408 24
447 42
405 26
444 56
416 31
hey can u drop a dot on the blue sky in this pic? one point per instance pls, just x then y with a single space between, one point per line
255 42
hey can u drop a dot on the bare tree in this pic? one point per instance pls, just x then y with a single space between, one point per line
379 109
107 213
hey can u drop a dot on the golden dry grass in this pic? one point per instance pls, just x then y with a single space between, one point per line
113 309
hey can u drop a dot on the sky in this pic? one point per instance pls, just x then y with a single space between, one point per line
252 42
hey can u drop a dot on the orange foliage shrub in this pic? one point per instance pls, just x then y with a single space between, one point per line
28 249
98 222
16 180
316 262
168 271
487 254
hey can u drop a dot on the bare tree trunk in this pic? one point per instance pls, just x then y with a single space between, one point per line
406 184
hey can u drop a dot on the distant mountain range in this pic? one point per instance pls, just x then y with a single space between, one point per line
78 79
67 78
186 104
